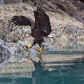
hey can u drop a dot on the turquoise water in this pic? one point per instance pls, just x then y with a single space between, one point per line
62 74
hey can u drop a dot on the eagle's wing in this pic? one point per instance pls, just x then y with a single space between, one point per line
22 20
42 23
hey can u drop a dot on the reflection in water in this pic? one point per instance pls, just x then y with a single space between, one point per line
71 74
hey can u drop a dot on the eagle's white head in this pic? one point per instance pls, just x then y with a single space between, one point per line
27 31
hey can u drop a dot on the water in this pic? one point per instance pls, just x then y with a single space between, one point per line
61 72
73 75
63 66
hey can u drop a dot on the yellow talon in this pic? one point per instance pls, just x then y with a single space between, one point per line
29 59
39 50
25 34
29 47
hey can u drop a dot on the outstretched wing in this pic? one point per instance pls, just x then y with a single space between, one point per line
22 20
42 22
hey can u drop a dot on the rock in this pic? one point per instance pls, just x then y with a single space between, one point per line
33 53
12 50
26 54
2 35
12 59
37 2
12 1
4 51
23 59
44 1
57 33
14 37
21 43
73 8
55 27
53 7
75 31
73 39
80 17
4 30
63 40
46 41
67 7
19 30
45 6
78 5
1 2
19 47
2 42
29 2
36 47
81 38
36 59
11 44
49 48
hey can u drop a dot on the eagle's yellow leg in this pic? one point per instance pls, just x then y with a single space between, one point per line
39 50
25 34
29 47
29 59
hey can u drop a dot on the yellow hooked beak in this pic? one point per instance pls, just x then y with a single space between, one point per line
25 34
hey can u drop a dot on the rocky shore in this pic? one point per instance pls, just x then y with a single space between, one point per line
66 31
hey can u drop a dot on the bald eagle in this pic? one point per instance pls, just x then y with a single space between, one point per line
40 28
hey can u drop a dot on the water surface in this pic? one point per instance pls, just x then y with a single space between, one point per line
69 72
